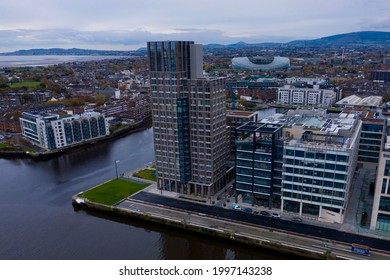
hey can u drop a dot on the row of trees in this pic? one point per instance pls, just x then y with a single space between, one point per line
98 99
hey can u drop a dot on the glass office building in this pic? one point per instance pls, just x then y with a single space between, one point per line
317 175
298 163
380 217
256 163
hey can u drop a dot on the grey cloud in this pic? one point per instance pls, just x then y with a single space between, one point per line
377 24
24 38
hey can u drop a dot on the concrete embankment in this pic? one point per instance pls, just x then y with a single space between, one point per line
229 230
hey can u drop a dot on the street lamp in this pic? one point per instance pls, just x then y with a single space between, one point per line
116 168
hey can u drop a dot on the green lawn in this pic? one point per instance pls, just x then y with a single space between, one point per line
4 146
9 148
113 191
146 174
25 84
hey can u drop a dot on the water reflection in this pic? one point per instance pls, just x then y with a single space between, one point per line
38 221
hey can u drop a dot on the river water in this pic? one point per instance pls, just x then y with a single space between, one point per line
37 220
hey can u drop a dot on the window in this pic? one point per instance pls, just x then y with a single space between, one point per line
299 153
320 156
384 204
384 183
387 168
290 152
310 155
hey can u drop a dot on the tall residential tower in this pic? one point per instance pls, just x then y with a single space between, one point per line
189 120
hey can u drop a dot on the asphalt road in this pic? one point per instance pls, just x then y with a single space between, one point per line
278 224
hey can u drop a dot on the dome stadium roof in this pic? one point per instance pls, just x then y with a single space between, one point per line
260 63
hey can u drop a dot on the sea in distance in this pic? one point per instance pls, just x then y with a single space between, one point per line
46 60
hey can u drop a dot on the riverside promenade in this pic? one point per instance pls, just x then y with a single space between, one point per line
155 210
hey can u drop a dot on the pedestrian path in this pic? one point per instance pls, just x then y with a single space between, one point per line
225 198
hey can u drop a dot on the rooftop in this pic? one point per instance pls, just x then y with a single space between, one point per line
354 100
319 131
240 113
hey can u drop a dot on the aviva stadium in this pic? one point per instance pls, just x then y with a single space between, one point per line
259 63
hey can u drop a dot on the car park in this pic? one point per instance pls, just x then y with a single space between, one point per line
265 213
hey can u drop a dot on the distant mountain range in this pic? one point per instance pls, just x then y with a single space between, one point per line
347 39
74 51
355 38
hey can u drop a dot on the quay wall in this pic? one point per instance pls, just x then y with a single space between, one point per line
227 235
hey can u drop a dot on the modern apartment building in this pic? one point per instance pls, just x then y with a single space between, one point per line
189 120
301 163
315 96
50 131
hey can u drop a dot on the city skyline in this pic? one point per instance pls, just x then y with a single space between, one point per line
128 25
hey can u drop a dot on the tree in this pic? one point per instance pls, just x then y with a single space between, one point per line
100 99
207 67
3 82
26 97
74 102
386 98
3 79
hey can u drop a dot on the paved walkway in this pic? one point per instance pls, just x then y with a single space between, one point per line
225 198
237 231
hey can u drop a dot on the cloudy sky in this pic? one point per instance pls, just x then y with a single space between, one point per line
129 24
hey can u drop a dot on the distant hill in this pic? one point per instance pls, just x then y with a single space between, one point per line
354 38
347 39
74 51
241 45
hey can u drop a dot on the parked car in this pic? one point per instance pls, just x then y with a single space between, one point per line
275 215
265 213
296 219
236 207
248 210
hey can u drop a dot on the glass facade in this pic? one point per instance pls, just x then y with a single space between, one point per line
380 219
68 133
384 204
102 126
318 177
77 131
255 161
370 143
184 139
387 168
52 132
383 222
51 143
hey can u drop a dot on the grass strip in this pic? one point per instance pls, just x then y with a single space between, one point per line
146 174
112 191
